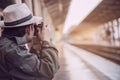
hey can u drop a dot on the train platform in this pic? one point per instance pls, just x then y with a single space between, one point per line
79 64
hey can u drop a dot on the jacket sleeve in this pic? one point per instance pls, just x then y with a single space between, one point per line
25 65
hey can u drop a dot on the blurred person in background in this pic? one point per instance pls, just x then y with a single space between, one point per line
16 61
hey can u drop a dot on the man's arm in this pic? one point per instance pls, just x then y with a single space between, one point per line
25 65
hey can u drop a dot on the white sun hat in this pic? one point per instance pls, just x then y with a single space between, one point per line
18 15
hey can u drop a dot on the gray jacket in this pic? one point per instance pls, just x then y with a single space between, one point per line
17 63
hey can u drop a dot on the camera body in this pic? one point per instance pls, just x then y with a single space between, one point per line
36 26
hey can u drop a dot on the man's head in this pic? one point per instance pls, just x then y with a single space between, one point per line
18 21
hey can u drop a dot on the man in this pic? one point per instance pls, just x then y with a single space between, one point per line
0 31
16 62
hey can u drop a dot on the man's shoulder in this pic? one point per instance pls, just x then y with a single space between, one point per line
4 41
8 41
6 44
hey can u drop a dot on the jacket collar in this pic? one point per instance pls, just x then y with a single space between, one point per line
20 40
17 40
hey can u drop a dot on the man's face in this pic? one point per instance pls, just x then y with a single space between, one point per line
30 32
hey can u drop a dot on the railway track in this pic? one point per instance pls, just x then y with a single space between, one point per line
111 53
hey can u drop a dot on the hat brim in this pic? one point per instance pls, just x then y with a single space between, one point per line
35 19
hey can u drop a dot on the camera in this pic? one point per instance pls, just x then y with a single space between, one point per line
36 26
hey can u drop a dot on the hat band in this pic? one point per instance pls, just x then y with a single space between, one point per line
18 21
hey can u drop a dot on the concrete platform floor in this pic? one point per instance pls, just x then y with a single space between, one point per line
78 64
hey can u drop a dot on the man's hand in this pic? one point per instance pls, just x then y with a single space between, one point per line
44 33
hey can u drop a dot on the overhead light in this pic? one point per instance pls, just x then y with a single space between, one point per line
78 11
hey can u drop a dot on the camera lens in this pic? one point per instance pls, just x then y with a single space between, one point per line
36 26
